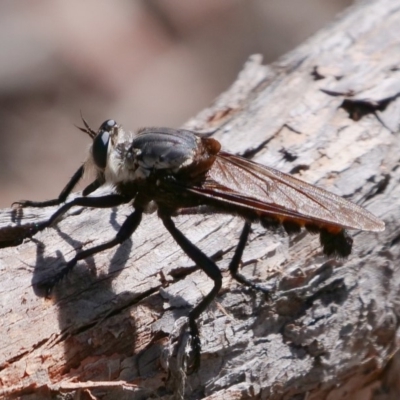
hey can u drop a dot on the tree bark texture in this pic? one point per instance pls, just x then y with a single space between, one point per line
328 113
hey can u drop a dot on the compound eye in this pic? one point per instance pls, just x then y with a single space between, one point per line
108 125
100 143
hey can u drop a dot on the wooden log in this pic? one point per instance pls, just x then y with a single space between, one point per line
328 112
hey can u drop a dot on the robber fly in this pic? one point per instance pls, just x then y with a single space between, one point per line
182 172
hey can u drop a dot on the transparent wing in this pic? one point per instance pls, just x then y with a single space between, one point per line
269 192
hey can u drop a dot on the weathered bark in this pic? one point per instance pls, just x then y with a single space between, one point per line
327 112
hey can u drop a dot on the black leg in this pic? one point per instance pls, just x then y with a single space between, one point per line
92 187
212 271
108 201
126 230
234 264
61 198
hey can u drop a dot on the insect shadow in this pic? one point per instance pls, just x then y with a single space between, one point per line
89 309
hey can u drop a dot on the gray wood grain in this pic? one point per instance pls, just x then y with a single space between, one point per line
330 329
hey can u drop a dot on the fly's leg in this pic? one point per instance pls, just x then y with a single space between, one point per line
108 201
61 198
92 187
64 193
212 271
234 264
237 257
128 227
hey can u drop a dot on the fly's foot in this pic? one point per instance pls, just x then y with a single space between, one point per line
17 210
17 205
17 214
195 345
253 286
182 355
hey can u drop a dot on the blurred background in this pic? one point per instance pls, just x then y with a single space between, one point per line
143 63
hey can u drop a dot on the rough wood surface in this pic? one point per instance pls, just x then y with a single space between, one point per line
328 112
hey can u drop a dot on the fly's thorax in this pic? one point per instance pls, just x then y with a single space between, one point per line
162 150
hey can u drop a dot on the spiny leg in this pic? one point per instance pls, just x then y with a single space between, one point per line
212 271
62 196
237 257
64 193
128 227
92 186
107 201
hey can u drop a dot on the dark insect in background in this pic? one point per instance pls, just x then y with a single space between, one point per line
181 172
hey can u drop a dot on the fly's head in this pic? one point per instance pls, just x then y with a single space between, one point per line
108 151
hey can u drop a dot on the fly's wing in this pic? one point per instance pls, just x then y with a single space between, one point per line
271 193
